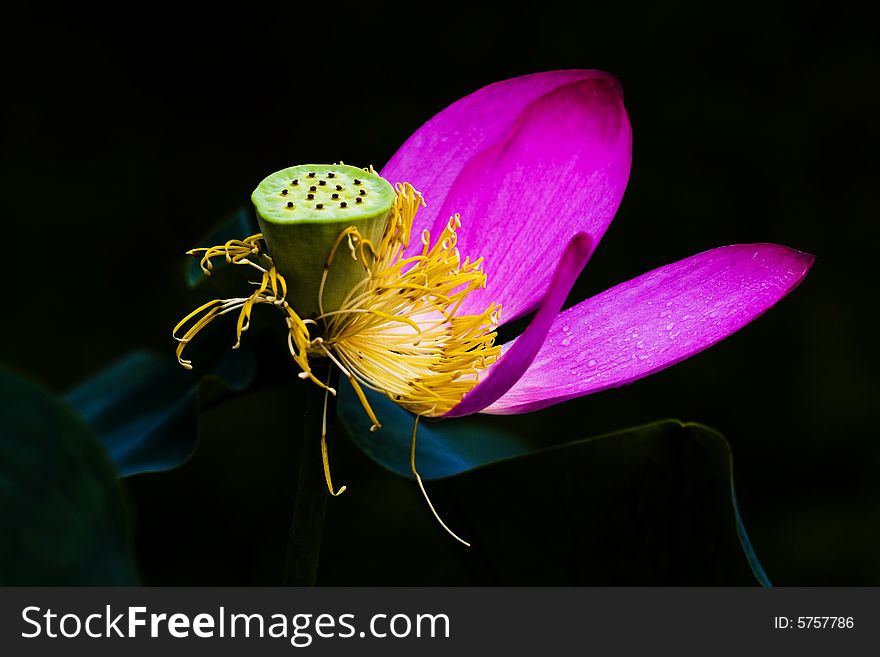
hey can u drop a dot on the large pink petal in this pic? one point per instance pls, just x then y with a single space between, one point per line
516 359
528 163
435 154
654 321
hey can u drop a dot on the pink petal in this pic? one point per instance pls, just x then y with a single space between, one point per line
654 321
517 358
528 163
435 154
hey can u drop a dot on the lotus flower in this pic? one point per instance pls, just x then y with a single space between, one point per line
531 172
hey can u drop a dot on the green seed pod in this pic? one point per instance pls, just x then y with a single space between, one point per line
302 210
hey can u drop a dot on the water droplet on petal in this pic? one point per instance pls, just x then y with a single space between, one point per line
591 362
565 342
669 326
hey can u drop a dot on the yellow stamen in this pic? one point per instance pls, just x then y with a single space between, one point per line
354 385
397 332
235 251
412 464
324 456
272 289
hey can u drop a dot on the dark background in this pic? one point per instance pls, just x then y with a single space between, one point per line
123 144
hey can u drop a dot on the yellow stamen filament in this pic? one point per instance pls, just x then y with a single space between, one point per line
236 252
354 384
412 463
324 456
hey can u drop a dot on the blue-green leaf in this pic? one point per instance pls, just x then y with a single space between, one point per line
751 557
61 511
145 406
445 448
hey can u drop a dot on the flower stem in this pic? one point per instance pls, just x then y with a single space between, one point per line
307 524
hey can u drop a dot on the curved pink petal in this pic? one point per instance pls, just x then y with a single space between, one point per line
516 359
435 154
654 321
528 163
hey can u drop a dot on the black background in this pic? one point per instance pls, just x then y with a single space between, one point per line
123 143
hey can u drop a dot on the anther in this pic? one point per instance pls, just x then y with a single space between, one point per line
313 189
320 206
331 175
322 182
357 182
311 174
359 200
290 204
310 196
343 205
363 192
338 188
335 196
283 192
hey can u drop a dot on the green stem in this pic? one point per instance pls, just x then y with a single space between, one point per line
307 524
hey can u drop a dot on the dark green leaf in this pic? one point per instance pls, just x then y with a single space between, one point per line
145 406
650 505
665 487
238 226
61 512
